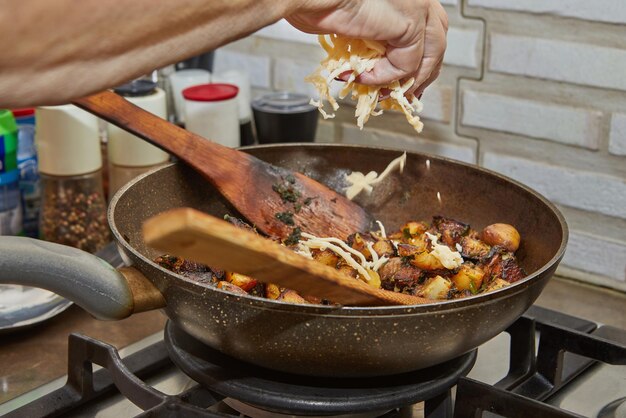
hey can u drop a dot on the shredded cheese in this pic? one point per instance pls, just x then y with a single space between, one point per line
450 259
383 233
343 250
358 56
359 181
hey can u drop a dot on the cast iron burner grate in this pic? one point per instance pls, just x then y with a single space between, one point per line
567 347
303 395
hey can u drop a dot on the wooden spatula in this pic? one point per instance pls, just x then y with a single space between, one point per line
269 197
196 236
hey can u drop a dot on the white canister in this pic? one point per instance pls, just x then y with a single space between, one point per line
240 79
67 139
182 79
128 155
212 112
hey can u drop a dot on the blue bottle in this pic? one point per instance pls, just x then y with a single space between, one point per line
29 173
10 205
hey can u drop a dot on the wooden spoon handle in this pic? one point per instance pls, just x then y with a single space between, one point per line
203 238
248 183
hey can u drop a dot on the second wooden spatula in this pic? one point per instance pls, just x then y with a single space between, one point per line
197 236
277 201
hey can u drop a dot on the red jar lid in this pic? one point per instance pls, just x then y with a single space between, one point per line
210 92
23 112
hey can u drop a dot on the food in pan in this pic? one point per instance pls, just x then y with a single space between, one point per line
441 260
357 56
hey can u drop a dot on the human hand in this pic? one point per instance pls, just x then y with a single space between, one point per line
414 30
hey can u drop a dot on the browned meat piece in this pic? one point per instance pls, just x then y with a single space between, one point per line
503 265
195 271
407 250
451 231
474 249
398 276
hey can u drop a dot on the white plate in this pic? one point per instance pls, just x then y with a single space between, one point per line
22 306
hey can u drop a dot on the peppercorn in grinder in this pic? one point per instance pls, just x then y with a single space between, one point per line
73 208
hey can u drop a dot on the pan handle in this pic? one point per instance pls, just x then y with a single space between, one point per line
83 278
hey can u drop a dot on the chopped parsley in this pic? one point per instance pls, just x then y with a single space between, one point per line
294 237
286 192
285 217
472 287
406 260
406 233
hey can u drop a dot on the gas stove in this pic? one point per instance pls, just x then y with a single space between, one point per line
546 364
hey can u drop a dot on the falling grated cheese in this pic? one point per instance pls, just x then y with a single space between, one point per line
383 233
358 56
450 259
359 181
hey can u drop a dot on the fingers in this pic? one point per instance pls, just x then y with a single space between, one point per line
419 88
421 59
435 46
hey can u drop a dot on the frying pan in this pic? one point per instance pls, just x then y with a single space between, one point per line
311 339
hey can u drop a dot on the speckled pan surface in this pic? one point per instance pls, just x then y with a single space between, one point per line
330 341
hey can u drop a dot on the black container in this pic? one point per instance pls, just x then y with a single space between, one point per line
284 117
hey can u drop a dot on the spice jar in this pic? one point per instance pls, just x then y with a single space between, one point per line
73 210
128 155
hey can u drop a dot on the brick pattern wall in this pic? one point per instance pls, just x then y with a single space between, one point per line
534 89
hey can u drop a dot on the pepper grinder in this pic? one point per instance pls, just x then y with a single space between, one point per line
128 155
73 207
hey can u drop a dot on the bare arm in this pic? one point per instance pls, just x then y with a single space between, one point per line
57 50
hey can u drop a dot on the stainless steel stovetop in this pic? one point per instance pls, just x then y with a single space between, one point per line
599 390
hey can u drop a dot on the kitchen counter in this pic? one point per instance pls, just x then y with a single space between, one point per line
36 356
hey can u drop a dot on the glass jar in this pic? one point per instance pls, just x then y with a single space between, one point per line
74 211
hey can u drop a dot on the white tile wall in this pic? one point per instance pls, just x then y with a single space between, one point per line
257 66
537 119
617 138
584 190
437 100
597 255
611 11
579 63
463 47
462 152
282 30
